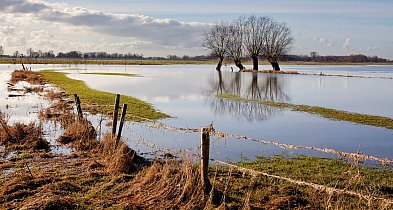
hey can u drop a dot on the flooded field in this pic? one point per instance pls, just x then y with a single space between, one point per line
188 94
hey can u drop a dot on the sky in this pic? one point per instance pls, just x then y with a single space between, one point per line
159 28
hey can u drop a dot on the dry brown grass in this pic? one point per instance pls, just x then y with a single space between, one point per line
21 136
26 75
80 134
168 185
53 95
59 112
35 89
118 157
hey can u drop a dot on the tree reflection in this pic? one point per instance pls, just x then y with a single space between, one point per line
271 88
248 111
264 87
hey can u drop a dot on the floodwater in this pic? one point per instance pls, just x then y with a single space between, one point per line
187 93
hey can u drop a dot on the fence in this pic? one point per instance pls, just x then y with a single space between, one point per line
204 147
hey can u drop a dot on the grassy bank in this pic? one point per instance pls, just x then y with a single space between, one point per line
95 101
328 113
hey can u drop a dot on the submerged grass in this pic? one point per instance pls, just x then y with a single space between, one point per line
332 114
95 101
112 74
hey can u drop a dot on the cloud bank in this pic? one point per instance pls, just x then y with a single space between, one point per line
166 32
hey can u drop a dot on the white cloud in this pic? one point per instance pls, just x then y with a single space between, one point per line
374 48
323 40
14 41
346 43
40 34
166 32
7 30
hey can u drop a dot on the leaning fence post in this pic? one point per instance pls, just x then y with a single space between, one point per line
115 114
205 144
78 106
123 115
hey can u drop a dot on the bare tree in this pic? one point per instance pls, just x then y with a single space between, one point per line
234 48
16 54
29 52
278 43
255 34
1 50
216 40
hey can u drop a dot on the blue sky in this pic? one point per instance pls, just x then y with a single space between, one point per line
330 27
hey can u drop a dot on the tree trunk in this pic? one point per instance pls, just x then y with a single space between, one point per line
275 65
239 64
218 68
255 63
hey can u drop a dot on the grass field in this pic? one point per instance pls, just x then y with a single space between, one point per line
328 113
95 101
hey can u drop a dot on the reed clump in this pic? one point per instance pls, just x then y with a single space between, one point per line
60 111
26 75
169 184
20 136
118 157
80 134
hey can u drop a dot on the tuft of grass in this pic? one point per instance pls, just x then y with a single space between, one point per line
111 74
20 136
25 75
95 101
80 134
119 158
333 114
168 185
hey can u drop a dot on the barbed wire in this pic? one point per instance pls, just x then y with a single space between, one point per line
324 188
160 125
185 152
345 75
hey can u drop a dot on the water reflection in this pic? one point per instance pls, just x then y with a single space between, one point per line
271 89
266 87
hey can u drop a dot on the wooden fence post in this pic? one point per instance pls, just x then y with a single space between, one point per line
78 106
115 114
205 144
123 115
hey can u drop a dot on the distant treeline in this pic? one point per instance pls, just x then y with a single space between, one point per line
313 57
335 58
30 53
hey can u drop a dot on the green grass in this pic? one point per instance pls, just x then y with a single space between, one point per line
112 74
95 101
333 114
272 193
323 171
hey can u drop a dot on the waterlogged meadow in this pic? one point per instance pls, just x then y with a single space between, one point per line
189 93
264 123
